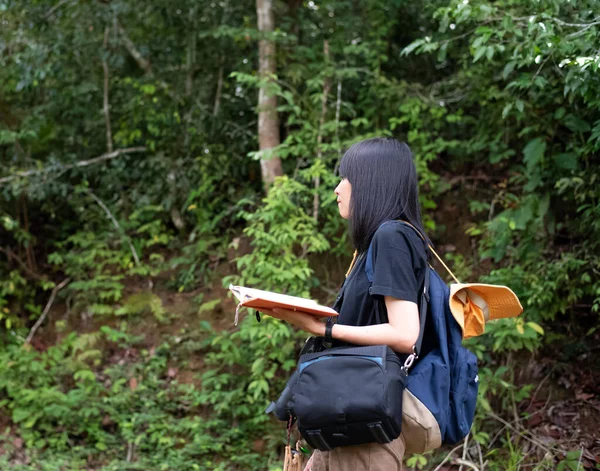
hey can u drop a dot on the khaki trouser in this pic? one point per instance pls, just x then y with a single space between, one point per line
369 457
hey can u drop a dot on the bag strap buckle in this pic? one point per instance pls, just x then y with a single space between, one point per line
410 360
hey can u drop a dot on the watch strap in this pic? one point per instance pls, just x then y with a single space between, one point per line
328 330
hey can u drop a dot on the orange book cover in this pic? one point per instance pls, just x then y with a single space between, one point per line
256 298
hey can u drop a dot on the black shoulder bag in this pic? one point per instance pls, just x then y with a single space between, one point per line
348 395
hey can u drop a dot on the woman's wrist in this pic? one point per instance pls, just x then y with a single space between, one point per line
322 332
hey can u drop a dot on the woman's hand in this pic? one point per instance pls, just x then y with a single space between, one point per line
306 322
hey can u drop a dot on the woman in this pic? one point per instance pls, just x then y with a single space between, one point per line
379 186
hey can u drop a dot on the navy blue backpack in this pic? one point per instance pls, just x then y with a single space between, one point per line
441 393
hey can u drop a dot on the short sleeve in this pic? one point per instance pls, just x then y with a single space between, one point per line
396 261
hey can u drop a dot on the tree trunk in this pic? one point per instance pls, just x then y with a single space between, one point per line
326 89
268 119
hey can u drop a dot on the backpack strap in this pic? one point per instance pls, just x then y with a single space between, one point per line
433 251
424 304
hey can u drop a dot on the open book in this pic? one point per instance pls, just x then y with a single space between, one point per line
256 298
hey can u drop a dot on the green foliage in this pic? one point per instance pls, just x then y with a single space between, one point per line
571 462
138 406
11 287
142 302
543 215
416 461
282 235
249 366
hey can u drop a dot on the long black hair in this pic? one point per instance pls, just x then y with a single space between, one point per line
384 184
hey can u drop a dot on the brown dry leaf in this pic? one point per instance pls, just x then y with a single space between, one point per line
534 420
584 396
133 384
18 443
172 372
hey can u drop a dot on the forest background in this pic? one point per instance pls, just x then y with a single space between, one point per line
137 174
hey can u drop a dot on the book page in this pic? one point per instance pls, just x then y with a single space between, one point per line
251 297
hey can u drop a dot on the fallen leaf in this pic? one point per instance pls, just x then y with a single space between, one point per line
534 420
133 384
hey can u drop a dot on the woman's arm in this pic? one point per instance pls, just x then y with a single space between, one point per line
400 333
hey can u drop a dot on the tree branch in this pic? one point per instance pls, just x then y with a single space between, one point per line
106 108
137 55
586 25
54 8
190 59
448 456
462 462
464 455
338 106
219 88
144 64
116 224
39 322
582 30
10 255
518 432
81 163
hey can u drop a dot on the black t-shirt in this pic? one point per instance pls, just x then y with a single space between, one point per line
399 266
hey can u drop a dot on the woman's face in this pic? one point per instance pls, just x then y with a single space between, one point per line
343 192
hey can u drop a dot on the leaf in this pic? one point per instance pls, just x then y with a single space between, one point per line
576 124
412 46
508 68
209 306
479 53
536 327
566 161
520 329
534 152
19 415
559 113
520 105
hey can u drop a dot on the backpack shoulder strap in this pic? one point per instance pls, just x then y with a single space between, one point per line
423 308
433 251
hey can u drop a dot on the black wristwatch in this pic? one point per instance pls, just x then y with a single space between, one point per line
328 329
